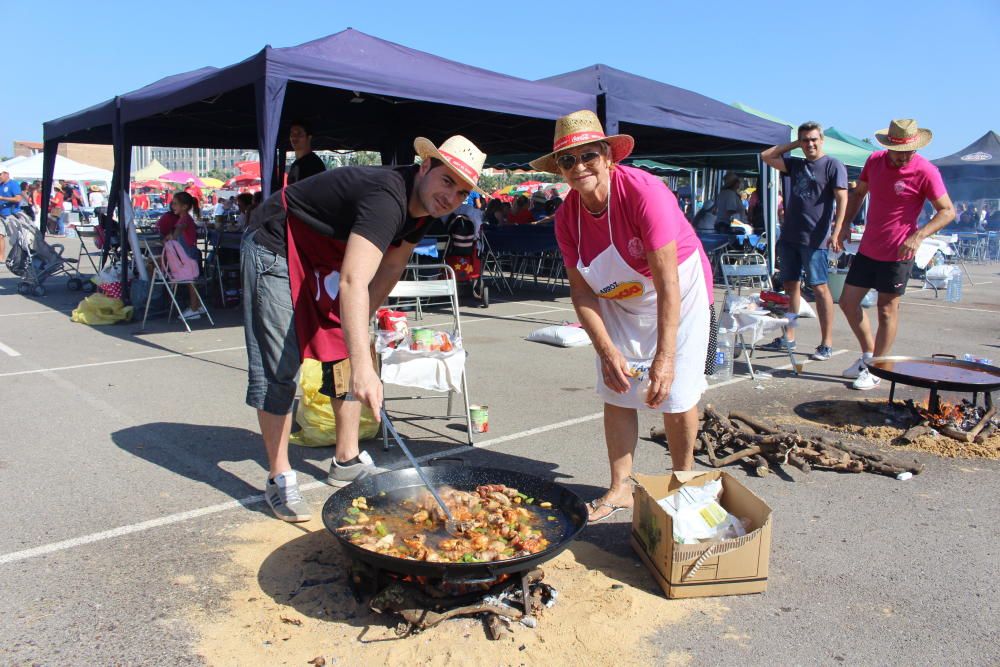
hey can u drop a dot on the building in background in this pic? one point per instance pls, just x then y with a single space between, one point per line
96 155
198 161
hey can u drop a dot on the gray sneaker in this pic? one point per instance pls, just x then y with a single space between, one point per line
344 475
822 353
282 494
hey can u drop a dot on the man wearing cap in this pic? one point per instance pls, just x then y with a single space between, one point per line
10 204
317 259
817 192
899 181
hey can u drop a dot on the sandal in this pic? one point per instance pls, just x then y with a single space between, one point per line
596 504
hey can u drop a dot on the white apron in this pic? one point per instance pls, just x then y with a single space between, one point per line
628 307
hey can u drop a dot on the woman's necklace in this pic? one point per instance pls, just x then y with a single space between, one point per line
598 214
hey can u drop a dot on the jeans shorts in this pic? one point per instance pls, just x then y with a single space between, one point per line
269 325
796 256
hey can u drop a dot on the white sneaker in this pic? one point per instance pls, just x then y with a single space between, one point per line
866 381
190 314
855 369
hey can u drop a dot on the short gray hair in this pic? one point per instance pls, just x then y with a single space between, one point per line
809 126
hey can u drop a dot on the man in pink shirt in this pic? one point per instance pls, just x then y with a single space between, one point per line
900 181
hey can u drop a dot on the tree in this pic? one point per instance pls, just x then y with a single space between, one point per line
221 174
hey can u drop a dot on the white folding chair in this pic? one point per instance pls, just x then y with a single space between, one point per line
439 288
750 270
170 287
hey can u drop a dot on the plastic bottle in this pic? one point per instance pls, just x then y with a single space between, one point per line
724 356
954 292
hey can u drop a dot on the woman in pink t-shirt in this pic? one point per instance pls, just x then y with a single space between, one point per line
640 284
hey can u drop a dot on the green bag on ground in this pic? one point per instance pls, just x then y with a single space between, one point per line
315 414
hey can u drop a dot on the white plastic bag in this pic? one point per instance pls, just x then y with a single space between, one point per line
560 335
698 516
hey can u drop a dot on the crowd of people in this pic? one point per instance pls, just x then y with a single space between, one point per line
321 254
539 208
975 217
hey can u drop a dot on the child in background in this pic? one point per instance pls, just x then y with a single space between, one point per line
178 225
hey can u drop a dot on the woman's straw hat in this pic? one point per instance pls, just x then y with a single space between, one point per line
904 135
576 129
458 153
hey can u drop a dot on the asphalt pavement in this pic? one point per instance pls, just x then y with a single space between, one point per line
128 455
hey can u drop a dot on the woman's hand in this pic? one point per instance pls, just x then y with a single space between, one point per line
661 377
615 370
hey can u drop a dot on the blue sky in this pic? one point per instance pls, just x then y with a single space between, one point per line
854 68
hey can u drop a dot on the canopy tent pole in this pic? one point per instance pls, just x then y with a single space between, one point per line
771 213
48 175
269 93
120 186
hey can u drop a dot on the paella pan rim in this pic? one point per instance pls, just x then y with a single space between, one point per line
932 383
565 502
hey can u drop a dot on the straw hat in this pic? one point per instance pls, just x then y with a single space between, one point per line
458 153
903 135
576 129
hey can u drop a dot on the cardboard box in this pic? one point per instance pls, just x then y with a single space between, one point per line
729 567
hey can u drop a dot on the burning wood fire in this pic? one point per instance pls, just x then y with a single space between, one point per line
963 416
423 602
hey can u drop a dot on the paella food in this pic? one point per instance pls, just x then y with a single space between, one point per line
496 522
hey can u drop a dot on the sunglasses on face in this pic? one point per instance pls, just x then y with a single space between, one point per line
567 162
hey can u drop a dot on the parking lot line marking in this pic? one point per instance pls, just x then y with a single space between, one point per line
9 350
941 305
172 355
37 312
170 519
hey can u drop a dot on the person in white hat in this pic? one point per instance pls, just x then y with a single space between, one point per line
899 181
641 286
317 259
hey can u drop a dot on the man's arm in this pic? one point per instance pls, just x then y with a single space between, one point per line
387 275
361 261
854 201
840 197
945 213
773 155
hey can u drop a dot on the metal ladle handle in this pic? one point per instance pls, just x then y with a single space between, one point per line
416 466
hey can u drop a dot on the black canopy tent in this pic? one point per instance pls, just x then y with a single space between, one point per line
974 171
357 92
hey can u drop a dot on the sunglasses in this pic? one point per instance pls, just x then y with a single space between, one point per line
567 162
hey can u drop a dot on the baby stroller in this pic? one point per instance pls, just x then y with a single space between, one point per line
462 254
35 261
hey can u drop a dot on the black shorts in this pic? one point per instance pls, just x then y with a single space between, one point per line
883 277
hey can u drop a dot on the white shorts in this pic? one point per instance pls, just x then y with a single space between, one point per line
692 347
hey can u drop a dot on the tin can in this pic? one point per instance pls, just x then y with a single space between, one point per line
422 338
480 418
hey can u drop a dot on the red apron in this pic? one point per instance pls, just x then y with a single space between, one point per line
314 262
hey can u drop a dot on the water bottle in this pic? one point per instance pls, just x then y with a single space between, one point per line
724 356
954 292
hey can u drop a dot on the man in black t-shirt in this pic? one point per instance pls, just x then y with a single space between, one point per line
815 199
318 258
306 162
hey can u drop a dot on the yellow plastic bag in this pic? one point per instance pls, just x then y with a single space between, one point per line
315 414
99 309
